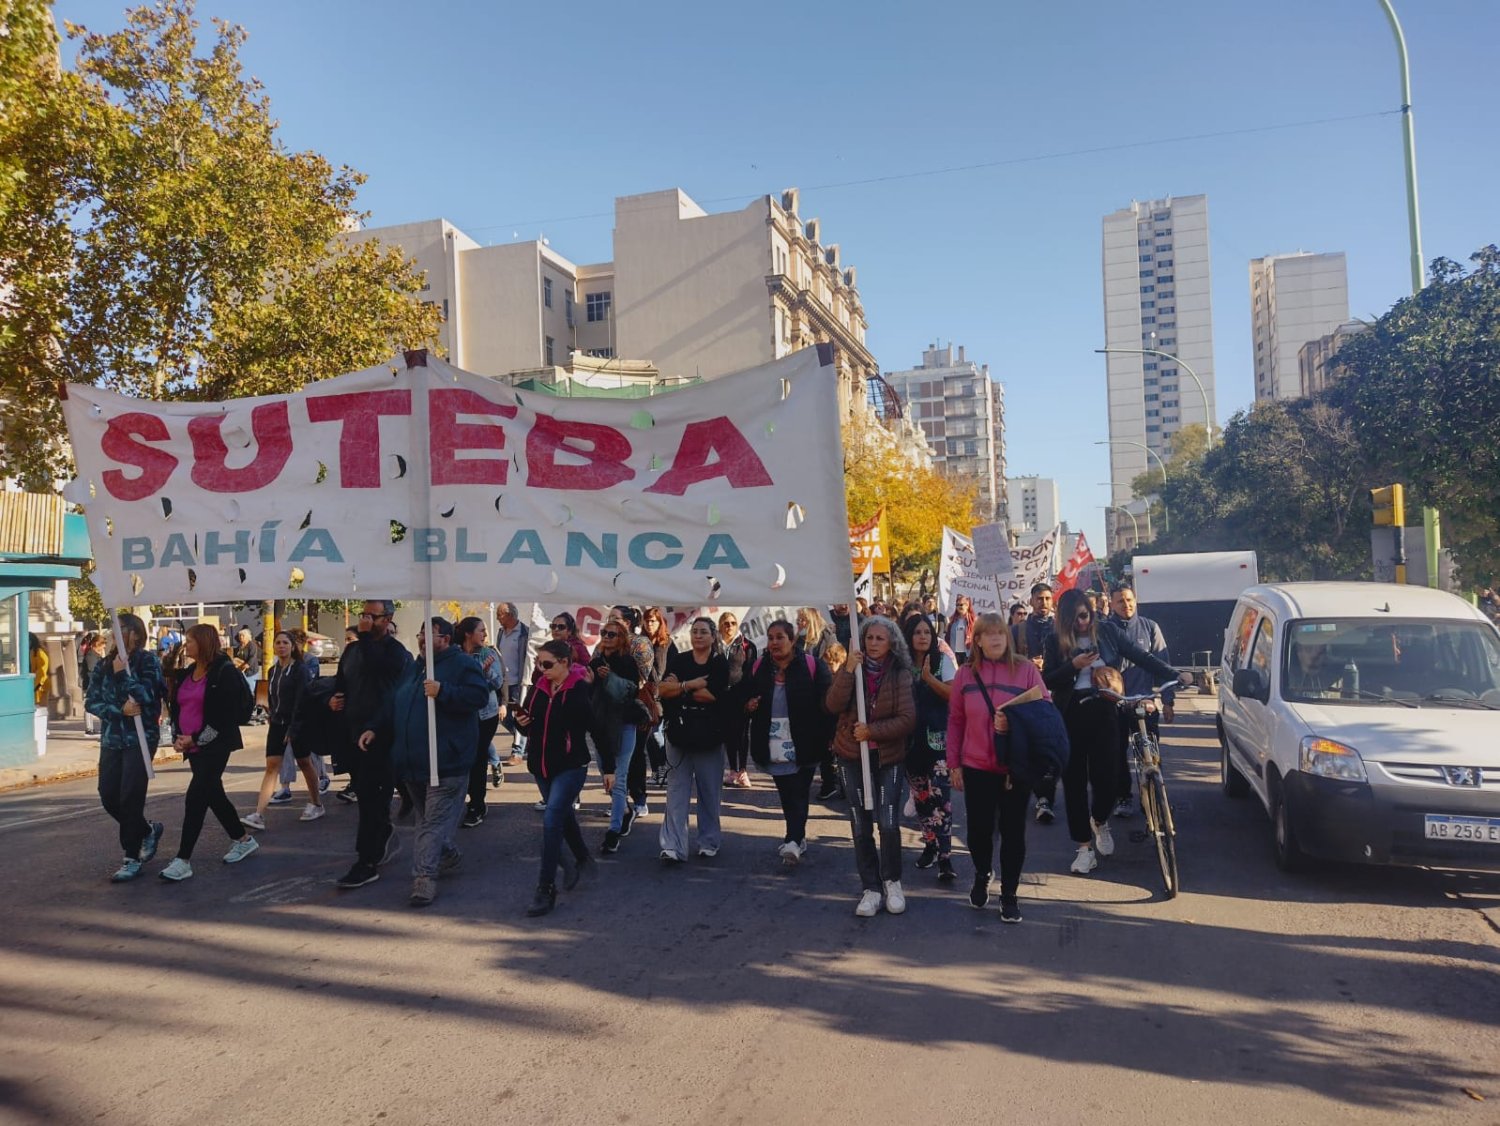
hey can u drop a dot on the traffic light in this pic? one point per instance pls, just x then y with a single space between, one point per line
1390 505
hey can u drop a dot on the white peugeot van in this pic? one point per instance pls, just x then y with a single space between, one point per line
1366 717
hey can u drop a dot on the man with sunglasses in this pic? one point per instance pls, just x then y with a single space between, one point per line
368 673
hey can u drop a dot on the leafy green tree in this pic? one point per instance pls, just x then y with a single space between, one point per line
201 258
1421 387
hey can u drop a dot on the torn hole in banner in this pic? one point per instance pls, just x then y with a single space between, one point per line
136 585
397 467
398 531
234 431
306 522
109 527
231 510
192 578
642 420
713 588
656 463
166 508
322 474
778 578
551 584
294 579
625 580
563 515
714 516
243 576
796 516
786 390
447 513
770 429
96 411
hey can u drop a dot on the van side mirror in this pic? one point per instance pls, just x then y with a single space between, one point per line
1251 684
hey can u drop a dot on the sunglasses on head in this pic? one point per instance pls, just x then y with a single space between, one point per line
545 665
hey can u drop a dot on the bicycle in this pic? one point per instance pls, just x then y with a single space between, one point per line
1145 754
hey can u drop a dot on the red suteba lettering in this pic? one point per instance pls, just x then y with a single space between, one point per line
124 441
605 448
737 462
359 441
272 428
449 436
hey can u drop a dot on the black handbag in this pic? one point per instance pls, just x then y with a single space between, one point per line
694 728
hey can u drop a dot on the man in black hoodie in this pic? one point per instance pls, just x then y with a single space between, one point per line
368 673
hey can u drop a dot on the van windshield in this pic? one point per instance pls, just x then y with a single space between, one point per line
1396 662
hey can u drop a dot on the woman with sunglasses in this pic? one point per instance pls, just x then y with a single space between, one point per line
1081 644
556 719
565 629
617 713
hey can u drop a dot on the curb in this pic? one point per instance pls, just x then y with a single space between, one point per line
22 778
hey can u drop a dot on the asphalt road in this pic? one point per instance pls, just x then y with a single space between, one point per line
730 991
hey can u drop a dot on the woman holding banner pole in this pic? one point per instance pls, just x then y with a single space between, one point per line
125 694
882 665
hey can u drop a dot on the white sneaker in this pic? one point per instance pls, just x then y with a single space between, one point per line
177 871
791 853
539 806
254 821
241 849
869 905
310 812
1085 862
643 809
708 853
895 898
1104 840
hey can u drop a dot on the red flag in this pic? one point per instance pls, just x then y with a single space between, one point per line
1067 578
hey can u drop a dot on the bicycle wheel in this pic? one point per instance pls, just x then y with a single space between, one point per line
1162 830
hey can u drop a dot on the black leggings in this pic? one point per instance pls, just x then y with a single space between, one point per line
479 772
989 808
635 778
1093 735
205 792
795 791
737 735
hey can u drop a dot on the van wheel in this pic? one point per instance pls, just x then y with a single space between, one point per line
1288 853
1231 781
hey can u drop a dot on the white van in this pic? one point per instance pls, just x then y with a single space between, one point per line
1366 717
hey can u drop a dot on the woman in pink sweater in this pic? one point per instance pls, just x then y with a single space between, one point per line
994 674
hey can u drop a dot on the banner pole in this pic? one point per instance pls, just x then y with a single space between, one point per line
140 724
422 465
859 706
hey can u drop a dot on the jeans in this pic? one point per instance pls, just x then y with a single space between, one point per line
479 772
882 863
439 809
559 823
205 792
373 782
989 808
122 792
795 792
1093 732
702 771
618 797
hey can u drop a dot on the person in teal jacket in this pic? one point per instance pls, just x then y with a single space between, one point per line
458 688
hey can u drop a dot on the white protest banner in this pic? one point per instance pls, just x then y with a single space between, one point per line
727 491
959 574
991 549
1029 566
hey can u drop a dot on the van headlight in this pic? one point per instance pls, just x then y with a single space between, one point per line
1330 759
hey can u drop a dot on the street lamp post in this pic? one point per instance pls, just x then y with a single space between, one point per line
1135 526
1208 421
1166 517
1409 143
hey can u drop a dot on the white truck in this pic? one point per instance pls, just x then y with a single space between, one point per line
1192 596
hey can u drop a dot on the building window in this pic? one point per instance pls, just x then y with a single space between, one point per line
568 306
547 351
1160 216
596 306
1143 242
1148 320
1150 365
1165 278
1165 262
1167 341
1163 232
1145 257
601 353
1152 398
547 292
1152 427
1148 289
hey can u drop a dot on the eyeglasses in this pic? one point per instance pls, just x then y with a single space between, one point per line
559 626
545 665
611 633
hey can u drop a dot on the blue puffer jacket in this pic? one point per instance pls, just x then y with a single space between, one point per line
108 690
464 691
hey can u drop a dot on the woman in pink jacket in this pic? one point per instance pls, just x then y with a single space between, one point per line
994 674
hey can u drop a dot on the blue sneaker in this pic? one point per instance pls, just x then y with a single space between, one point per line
241 849
281 796
128 870
323 784
153 838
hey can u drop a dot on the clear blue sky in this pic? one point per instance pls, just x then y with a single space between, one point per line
519 120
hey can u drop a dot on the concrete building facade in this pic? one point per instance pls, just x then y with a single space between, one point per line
1294 298
688 294
961 413
1033 509
1156 296
1315 358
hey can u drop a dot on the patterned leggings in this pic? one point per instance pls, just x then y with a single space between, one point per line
932 794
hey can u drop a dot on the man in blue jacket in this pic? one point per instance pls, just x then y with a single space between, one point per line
1146 634
458 688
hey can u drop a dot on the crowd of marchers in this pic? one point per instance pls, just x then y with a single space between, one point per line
923 704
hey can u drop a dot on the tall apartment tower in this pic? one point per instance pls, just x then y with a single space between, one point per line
1294 299
1156 296
1032 509
962 413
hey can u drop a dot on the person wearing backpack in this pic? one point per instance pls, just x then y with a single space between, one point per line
994 801
789 728
211 702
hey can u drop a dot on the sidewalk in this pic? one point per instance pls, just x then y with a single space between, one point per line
70 754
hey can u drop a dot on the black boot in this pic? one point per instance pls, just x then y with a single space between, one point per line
929 854
945 869
543 901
